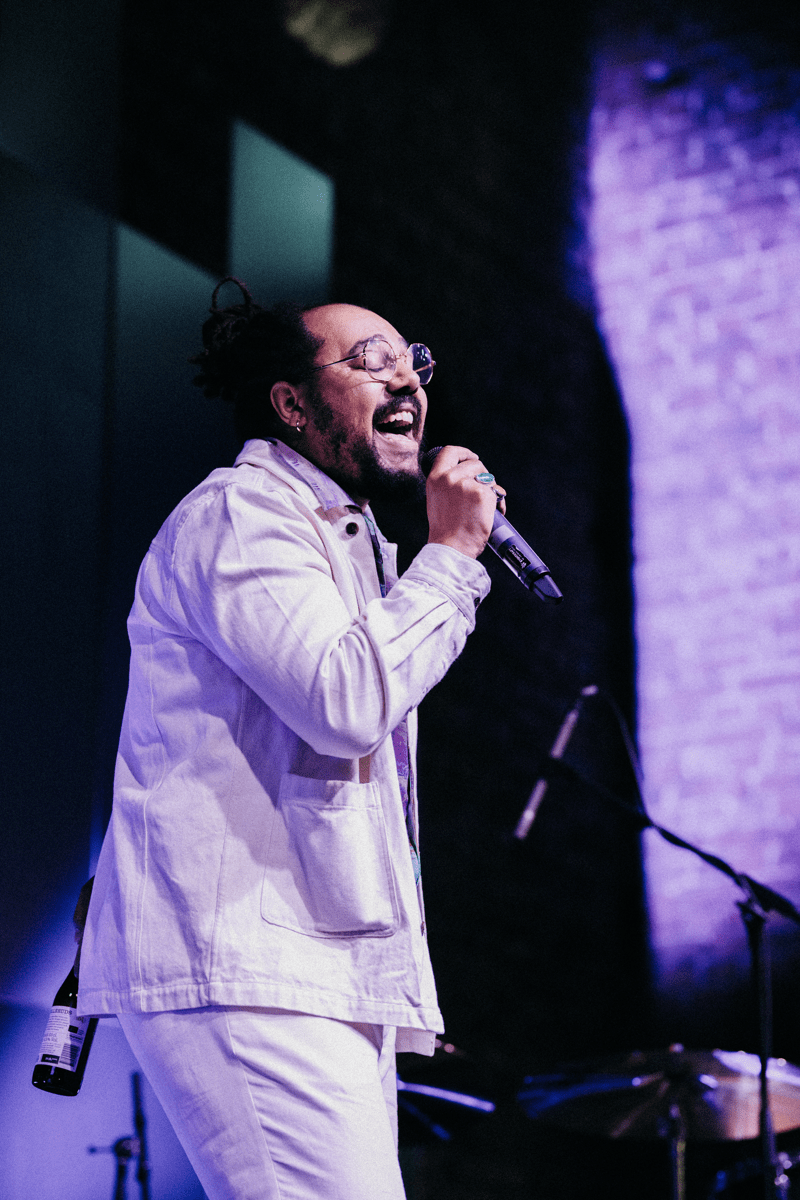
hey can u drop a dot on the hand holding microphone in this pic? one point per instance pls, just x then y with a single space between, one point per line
469 518
460 505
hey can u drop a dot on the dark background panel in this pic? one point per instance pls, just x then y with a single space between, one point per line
53 294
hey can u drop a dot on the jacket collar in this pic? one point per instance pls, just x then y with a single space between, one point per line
269 453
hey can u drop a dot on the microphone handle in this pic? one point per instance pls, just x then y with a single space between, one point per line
512 549
556 751
540 787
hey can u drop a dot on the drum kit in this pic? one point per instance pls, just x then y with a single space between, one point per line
675 1096
712 1095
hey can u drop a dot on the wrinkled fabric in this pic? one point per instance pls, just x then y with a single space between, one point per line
257 852
270 1105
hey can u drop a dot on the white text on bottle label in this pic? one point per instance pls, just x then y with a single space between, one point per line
63 1038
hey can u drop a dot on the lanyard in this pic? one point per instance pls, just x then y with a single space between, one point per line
400 734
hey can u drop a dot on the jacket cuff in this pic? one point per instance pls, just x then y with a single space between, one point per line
462 579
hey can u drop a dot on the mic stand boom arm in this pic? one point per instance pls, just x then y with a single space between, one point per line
765 897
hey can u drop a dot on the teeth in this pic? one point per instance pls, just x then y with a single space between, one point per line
406 418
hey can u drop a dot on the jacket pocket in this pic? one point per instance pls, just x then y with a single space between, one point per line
328 871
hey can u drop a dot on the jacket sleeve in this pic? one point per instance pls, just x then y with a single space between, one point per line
250 579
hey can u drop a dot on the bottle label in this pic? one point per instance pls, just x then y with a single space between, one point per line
63 1038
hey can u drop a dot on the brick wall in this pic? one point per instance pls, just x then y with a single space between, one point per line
695 227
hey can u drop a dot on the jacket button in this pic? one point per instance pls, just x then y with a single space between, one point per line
351 528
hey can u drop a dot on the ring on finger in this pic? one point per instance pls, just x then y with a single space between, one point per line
484 477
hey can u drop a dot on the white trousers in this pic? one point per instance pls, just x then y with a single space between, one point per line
274 1105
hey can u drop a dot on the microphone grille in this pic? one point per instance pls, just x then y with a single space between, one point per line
427 459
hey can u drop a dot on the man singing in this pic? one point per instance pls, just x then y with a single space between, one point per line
257 920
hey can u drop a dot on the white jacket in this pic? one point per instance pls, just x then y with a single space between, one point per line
257 852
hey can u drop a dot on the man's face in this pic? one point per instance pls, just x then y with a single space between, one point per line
354 432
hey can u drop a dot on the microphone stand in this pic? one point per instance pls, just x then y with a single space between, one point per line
126 1148
143 1163
758 900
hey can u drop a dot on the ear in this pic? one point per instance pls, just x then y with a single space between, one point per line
288 402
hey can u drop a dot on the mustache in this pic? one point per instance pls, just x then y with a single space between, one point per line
395 405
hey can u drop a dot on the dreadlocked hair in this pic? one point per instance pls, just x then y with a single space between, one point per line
247 349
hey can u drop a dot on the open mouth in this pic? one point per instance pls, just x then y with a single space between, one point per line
398 424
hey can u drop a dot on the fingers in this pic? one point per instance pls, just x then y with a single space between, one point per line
462 499
450 458
459 464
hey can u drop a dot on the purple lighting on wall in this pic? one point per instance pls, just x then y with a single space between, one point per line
695 229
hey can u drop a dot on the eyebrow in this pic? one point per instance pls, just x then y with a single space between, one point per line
357 347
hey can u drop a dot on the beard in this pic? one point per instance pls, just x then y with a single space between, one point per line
379 482
359 469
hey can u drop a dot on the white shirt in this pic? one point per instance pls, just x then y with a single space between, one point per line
257 852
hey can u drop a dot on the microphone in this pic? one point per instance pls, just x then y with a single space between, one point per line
556 751
512 549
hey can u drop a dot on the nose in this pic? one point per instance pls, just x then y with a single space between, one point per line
405 378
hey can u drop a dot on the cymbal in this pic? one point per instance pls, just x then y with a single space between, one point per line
715 1093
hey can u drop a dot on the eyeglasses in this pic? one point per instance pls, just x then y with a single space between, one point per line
380 360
